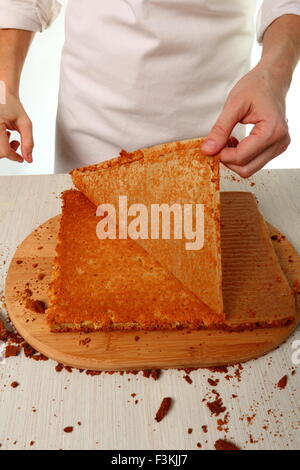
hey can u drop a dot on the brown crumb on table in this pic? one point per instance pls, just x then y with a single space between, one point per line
188 379
163 409
59 367
190 430
222 444
223 422
32 443
204 429
218 369
237 372
216 407
39 357
29 351
14 384
154 373
199 445
252 440
32 353
250 418
282 382
212 382
68 429
93 373
12 351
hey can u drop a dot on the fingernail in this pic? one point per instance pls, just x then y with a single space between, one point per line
209 145
29 156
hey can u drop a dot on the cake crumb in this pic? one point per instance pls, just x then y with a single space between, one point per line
216 407
188 379
163 409
282 382
14 384
68 429
12 351
222 444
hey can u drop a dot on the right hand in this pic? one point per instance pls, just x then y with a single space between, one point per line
14 118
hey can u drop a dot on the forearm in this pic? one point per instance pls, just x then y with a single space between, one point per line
14 45
281 49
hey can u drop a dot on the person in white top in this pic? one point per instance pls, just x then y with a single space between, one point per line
136 73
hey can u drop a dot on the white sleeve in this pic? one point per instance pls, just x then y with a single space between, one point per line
270 10
31 15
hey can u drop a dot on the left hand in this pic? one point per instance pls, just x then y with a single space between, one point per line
259 99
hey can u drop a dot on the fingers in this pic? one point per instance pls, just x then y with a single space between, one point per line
256 164
263 136
220 132
8 150
25 129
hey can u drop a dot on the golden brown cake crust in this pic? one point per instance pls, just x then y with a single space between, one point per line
170 173
154 152
113 284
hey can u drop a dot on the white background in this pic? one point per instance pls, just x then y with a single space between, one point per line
39 90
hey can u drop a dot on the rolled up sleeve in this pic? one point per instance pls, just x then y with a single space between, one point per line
31 15
270 10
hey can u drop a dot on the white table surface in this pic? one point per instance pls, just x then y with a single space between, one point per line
103 404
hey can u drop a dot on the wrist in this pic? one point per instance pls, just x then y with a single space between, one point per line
278 75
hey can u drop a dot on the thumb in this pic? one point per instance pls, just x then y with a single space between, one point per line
25 130
221 131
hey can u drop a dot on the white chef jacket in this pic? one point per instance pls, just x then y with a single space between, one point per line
136 73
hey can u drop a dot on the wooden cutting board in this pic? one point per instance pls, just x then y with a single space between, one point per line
31 268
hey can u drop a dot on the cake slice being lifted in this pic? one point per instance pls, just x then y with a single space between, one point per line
175 173
114 284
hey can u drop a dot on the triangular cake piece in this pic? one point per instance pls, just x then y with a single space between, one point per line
113 284
256 290
175 173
